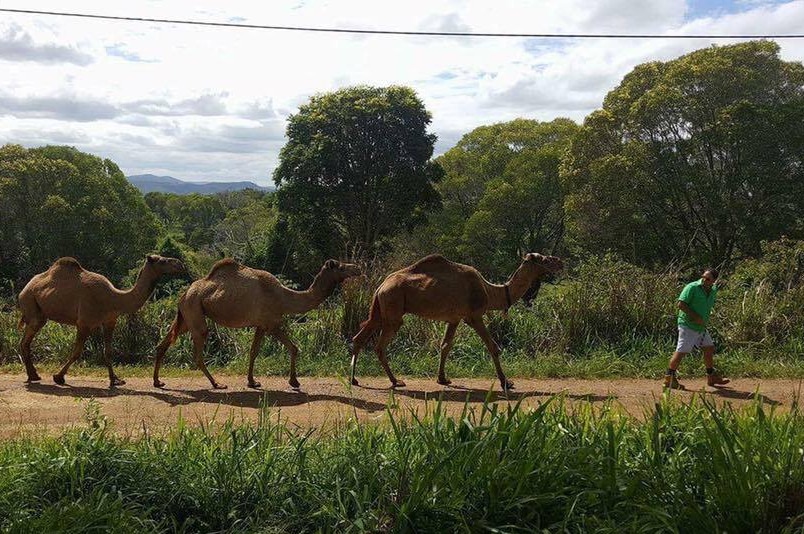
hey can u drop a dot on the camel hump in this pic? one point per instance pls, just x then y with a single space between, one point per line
67 262
226 264
429 262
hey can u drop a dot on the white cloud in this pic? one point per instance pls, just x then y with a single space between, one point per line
210 103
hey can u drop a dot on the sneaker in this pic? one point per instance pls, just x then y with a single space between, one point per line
671 382
716 379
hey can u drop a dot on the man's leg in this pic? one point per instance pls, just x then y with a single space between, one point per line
686 341
712 378
670 380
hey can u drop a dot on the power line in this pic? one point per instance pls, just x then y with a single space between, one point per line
412 33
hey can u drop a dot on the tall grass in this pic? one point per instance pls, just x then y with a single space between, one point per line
695 468
605 317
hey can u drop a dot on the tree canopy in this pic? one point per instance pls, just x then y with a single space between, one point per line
501 193
57 201
356 168
699 157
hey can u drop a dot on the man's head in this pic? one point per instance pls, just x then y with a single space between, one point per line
709 277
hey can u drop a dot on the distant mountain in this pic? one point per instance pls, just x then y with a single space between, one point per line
148 183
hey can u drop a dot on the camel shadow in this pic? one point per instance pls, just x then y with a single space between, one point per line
729 393
257 398
463 394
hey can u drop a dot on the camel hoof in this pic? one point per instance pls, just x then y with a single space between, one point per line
34 378
508 385
254 384
59 379
444 381
159 384
399 384
294 384
219 386
116 382
355 382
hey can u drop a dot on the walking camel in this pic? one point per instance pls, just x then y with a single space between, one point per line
68 294
237 296
439 289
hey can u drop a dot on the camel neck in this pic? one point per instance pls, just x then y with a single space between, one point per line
502 297
312 297
134 298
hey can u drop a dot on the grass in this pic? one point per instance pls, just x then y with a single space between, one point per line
685 468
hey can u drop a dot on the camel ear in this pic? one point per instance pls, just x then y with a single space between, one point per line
330 264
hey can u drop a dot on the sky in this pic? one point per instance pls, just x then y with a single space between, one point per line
211 104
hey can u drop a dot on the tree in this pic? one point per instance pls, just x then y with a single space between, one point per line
356 168
194 215
246 229
698 158
57 201
501 193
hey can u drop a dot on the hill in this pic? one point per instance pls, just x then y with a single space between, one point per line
148 183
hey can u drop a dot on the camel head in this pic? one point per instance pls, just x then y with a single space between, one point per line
160 265
538 265
338 271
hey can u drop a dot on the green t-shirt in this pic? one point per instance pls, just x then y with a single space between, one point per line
701 303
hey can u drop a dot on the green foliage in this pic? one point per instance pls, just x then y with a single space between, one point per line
356 168
766 295
690 468
195 215
697 158
501 195
56 201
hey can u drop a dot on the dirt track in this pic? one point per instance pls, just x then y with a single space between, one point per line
47 408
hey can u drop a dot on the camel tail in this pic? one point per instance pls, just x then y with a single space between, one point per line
21 324
175 329
375 316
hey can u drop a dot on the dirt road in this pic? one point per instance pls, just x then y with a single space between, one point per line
138 406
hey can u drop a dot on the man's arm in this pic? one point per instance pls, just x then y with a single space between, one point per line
683 306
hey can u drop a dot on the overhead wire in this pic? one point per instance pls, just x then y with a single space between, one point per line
360 31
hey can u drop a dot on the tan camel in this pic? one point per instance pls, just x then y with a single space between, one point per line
237 296
436 288
68 294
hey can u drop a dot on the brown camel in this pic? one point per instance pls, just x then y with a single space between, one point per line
436 288
237 296
69 294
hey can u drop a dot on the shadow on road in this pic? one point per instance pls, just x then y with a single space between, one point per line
181 397
729 393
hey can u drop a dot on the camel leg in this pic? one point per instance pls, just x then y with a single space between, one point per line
178 328
259 334
31 329
494 350
108 332
80 339
199 339
357 345
446 346
388 333
280 335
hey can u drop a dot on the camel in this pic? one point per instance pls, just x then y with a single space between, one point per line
439 289
237 296
68 294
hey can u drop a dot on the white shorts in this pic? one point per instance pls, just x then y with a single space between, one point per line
689 339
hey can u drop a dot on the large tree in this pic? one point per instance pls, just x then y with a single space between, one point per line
699 158
356 168
501 193
57 201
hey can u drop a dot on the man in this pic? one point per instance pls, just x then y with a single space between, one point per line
694 306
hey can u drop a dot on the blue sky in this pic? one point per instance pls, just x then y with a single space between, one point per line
211 104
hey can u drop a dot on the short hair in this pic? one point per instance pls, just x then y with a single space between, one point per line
714 272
